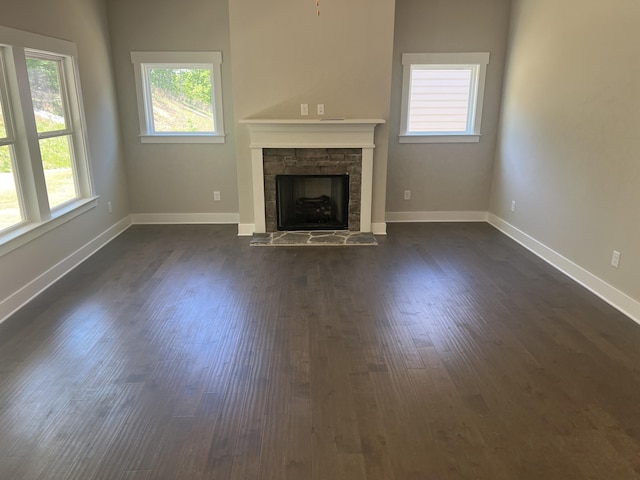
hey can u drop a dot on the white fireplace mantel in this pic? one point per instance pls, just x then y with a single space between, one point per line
314 133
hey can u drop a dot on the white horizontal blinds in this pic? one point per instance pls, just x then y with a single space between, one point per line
441 98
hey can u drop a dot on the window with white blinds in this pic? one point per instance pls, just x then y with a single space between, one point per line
442 97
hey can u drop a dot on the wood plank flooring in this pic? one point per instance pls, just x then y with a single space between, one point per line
446 352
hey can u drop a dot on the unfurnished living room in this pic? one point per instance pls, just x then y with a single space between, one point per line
319 239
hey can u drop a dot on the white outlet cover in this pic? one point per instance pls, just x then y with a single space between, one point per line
615 259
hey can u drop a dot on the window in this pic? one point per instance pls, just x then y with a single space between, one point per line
50 110
442 95
44 168
179 96
11 209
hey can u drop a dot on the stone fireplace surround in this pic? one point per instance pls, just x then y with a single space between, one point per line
312 161
333 145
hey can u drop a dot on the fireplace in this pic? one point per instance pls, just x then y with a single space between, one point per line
316 165
312 202
312 147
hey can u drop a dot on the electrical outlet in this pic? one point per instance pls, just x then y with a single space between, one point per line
407 194
513 205
615 259
304 109
109 207
216 196
321 109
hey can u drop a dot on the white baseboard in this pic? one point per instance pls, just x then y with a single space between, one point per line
409 217
186 218
614 297
246 229
619 300
379 228
20 298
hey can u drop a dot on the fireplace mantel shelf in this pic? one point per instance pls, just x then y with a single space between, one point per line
311 121
312 133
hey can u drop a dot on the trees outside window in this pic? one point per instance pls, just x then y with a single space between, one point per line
44 166
179 96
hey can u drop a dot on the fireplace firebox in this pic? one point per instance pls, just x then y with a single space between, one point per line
312 202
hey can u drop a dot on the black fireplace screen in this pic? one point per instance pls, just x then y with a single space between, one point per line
312 202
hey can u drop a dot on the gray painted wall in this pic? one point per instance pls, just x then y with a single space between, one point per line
285 55
85 23
173 178
446 177
568 151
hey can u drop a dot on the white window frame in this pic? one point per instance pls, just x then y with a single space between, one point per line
39 218
10 139
475 62
144 61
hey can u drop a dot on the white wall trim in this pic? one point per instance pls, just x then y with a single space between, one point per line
410 217
614 297
617 299
143 63
476 62
246 229
18 299
379 228
179 218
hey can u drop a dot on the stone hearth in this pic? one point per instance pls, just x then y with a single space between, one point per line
315 239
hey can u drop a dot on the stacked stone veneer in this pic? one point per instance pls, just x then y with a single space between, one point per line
312 161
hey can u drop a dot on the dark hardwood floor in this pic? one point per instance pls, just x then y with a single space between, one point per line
446 352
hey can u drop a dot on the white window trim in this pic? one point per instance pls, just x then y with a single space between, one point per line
40 219
211 60
478 59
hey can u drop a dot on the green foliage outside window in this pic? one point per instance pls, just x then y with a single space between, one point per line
46 94
5 161
189 85
181 99
55 151
44 81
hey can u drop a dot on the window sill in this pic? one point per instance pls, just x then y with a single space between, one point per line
28 232
453 138
182 138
